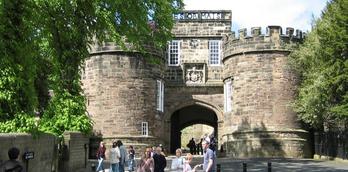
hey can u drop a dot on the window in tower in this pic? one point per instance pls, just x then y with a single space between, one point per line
228 96
144 128
159 95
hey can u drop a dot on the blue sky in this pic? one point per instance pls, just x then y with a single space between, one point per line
251 13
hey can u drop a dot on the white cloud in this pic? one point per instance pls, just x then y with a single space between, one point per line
250 13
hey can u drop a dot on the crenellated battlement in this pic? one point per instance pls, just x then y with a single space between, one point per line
273 40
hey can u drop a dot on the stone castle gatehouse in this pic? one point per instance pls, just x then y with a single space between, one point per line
242 86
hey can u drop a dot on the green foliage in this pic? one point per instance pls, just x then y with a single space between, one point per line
65 112
20 123
44 44
17 67
322 64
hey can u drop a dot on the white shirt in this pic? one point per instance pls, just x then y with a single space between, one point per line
115 155
187 167
177 163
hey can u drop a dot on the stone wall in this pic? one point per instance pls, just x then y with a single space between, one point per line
44 147
217 24
194 31
75 152
195 56
120 87
121 93
263 87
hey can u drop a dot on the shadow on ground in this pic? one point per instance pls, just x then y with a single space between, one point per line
282 165
260 165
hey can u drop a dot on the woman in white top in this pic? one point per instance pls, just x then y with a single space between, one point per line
178 161
114 158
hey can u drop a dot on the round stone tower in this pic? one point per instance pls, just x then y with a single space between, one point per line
260 87
121 89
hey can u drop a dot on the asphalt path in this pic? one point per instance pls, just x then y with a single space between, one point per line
260 165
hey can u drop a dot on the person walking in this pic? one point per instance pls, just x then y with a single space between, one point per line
101 156
192 146
123 158
12 165
212 143
199 147
114 158
160 160
209 158
146 163
131 158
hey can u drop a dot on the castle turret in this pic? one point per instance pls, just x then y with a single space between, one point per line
122 88
261 87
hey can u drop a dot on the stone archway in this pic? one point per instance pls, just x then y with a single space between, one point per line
190 115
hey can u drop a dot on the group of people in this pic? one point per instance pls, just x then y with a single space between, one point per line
197 149
118 157
209 160
153 159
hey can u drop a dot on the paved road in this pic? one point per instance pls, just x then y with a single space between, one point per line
283 165
260 165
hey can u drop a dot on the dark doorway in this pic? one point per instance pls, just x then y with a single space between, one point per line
188 116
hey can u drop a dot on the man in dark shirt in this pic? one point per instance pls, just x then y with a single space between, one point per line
160 160
192 146
12 165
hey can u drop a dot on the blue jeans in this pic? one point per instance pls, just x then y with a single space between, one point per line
131 164
114 167
100 164
121 165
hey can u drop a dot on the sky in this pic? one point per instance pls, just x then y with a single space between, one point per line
253 13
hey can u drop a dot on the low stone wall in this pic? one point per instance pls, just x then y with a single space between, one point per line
43 146
286 143
74 152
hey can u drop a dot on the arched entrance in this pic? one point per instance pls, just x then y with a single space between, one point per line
187 116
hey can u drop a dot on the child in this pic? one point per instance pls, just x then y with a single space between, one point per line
187 166
131 157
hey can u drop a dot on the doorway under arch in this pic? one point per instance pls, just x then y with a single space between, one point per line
187 116
196 131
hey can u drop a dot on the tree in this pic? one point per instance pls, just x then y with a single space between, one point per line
60 32
322 64
17 68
